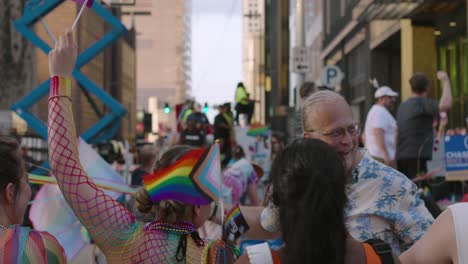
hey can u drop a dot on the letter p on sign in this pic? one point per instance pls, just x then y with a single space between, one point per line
331 76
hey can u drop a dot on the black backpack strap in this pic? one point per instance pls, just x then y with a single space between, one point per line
383 250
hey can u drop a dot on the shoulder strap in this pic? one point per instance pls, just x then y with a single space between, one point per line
382 249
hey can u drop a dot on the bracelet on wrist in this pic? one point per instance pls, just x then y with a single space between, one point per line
60 86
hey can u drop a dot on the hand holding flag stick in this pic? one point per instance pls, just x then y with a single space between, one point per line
88 3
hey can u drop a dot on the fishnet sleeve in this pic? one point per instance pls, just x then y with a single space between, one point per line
112 227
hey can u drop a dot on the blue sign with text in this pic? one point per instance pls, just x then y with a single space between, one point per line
456 153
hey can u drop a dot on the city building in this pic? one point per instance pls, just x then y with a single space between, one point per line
390 41
313 30
163 41
113 70
253 63
24 67
277 47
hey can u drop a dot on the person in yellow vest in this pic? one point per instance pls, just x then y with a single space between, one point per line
242 101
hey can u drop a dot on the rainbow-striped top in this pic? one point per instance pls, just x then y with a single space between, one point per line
24 245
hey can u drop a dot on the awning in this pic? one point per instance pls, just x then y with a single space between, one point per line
384 9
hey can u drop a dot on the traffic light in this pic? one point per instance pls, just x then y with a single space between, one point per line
148 123
167 108
205 108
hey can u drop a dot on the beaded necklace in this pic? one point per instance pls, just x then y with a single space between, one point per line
183 229
179 228
3 227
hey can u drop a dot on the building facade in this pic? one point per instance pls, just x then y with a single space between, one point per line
277 46
389 41
163 51
113 70
253 62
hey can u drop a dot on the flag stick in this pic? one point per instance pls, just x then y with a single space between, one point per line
79 14
46 27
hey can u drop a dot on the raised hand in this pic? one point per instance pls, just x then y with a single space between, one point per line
62 58
442 76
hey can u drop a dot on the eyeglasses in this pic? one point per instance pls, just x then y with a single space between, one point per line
353 130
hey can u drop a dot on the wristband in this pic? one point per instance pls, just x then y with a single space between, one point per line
260 254
60 86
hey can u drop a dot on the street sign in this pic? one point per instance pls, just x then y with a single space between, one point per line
299 60
456 157
331 76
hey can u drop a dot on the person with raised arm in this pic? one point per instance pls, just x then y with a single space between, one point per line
180 200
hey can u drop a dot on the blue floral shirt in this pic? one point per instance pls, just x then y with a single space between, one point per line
383 203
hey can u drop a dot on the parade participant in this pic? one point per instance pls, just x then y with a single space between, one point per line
383 203
242 101
223 131
147 157
182 201
192 135
381 130
415 118
445 242
199 118
242 179
309 184
20 244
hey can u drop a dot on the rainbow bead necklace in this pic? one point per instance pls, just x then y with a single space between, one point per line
179 228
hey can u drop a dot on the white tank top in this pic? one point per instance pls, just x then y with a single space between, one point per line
460 221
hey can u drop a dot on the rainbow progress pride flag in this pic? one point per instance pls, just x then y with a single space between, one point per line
235 225
193 179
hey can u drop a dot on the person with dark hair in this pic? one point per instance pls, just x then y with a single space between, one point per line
192 135
241 177
199 118
147 156
251 109
182 202
277 146
309 190
20 244
415 119
307 88
222 132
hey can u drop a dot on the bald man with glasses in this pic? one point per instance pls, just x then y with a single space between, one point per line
383 203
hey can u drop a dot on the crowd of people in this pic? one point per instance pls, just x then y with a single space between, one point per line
329 200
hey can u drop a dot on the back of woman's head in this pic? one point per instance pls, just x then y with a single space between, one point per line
12 163
239 153
309 180
168 210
